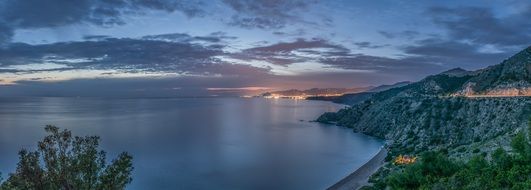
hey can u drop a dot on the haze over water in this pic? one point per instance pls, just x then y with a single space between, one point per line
208 143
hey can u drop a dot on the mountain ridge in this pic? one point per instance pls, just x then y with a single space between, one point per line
435 114
512 77
355 98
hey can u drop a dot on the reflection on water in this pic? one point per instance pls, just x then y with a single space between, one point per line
210 143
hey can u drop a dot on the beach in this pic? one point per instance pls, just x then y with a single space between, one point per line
360 177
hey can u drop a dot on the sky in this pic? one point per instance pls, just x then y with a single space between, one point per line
163 48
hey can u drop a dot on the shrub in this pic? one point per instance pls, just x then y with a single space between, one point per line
65 162
437 171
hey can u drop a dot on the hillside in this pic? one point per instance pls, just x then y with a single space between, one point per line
459 111
356 98
388 86
347 99
510 78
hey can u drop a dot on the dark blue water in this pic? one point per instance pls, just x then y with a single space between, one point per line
209 143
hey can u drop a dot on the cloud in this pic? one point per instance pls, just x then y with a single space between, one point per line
454 53
337 56
298 32
96 37
386 34
215 37
482 26
266 14
191 8
287 47
110 53
5 33
31 14
333 55
36 13
377 64
406 34
476 37
26 14
285 53
368 45
124 55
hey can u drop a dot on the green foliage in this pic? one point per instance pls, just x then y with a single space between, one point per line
433 166
435 170
519 144
65 162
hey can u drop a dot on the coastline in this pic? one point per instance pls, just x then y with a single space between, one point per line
360 176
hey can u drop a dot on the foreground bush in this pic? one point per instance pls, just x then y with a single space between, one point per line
65 162
506 170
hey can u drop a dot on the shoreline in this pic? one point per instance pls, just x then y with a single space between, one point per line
360 176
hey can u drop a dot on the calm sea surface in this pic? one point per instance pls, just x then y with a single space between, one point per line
208 143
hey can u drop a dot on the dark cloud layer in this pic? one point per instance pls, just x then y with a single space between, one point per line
200 65
454 53
5 33
37 13
126 55
27 14
389 66
110 53
215 37
338 56
96 37
480 25
369 45
287 47
15 14
423 57
285 53
266 14
407 34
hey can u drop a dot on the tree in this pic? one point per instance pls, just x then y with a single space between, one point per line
437 171
519 143
65 162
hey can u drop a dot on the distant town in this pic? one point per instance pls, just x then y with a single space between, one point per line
314 92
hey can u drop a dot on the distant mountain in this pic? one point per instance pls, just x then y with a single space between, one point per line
348 99
387 87
457 110
355 98
316 92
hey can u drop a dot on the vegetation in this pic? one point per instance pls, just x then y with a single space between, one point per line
65 162
435 170
435 114
454 136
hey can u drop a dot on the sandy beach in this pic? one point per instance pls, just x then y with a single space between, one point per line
360 177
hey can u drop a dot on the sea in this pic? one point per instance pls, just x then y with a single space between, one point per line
198 143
